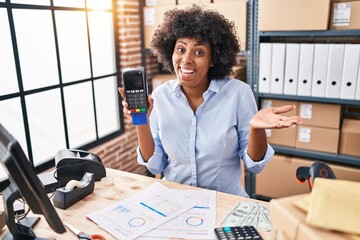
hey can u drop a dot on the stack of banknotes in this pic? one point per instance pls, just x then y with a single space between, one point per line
249 213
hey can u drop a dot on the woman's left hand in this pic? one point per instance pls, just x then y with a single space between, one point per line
271 118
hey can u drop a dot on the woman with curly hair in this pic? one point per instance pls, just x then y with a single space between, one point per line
202 124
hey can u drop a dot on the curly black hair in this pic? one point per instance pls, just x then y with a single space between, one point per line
206 26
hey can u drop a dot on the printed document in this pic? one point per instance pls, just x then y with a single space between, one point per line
197 223
136 215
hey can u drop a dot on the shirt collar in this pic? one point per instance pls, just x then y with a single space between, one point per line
214 87
176 88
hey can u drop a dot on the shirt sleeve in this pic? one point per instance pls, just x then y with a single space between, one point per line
156 164
258 166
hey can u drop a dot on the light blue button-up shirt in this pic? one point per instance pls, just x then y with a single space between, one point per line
203 149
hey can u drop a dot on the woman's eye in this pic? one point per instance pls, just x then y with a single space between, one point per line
199 52
181 50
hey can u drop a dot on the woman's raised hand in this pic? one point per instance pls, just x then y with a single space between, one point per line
271 118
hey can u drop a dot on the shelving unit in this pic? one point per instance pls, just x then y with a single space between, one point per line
309 34
310 99
327 36
326 157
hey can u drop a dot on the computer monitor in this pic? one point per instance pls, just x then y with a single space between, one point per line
24 183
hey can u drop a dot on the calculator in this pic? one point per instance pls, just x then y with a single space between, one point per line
237 232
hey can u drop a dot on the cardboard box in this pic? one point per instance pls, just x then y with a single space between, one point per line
265 102
160 2
350 137
190 2
234 11
320 114
283 137
238 72
286 136
282 172
346 173
288 222
345 15
224 1
152 19
293 15
278 178
161 78
237 12
318 139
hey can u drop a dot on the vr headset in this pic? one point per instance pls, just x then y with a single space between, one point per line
72 164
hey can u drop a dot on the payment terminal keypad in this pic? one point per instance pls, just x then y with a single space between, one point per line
237 232
137 101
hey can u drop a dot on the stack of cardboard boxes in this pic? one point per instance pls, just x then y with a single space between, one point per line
286 136
319 132
234 10
296 15
320 128
288 222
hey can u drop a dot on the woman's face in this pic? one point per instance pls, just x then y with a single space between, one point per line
192 60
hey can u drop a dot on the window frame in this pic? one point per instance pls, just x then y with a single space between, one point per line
61 85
